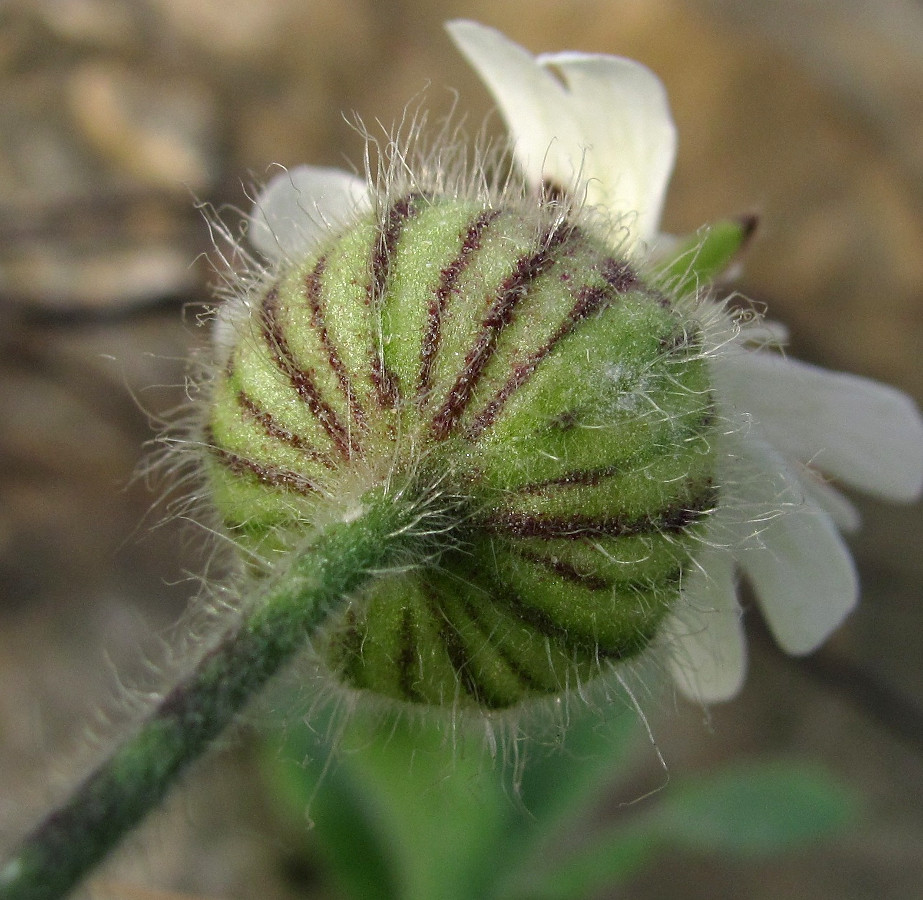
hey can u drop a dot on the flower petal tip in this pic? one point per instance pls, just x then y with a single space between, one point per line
595 124
707 647
298 207
868 434
804 577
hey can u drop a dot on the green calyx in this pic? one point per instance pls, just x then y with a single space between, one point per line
504 363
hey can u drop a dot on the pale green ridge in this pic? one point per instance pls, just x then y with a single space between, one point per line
485 674
508 238
542 665
377 619
621 621
235 429
639 486
605 395
349 317
429 242
619 561
271 389
542 309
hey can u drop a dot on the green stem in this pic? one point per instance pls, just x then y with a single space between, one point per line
118 795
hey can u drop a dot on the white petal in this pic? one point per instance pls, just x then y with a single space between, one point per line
607 126
764 333
705 633
800 569
531 99
226 327
842 513
627 140
868 434
300 206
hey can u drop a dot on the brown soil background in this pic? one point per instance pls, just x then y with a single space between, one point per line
113 114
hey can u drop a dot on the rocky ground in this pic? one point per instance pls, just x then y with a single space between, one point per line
119 117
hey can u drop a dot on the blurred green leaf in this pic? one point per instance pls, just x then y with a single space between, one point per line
445 807
559 781
403 813
608 859
336 811
756 809
752 809
399 812
560 785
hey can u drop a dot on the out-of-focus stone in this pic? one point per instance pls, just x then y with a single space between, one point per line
224 28
869 54
100 251
161 133
100 23
53 277
96 193
40 162
236 32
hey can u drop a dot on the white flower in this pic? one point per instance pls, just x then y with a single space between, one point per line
600 128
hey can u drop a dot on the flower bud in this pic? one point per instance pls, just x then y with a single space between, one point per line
497 354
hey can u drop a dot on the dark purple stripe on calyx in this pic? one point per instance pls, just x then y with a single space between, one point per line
619 278
313 292
448 279
527 681
384 382
546 625
279 432
619 275
580 477
668 520
273 476
454 645
564 570
682 339
500 314
302 380
346 647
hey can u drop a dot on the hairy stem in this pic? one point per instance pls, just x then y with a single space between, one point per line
336 561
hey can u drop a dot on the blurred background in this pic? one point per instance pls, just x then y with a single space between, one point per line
116 115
